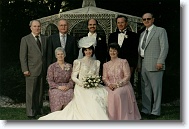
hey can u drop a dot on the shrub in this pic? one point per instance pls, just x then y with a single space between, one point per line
13 82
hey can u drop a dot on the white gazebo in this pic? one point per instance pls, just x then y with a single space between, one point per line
77 19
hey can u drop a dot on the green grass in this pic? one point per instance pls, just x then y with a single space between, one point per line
168 113
7 113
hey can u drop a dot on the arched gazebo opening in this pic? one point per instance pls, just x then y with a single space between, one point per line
51 29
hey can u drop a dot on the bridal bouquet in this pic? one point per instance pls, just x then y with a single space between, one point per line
92 82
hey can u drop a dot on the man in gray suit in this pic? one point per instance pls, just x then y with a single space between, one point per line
153 49
33 64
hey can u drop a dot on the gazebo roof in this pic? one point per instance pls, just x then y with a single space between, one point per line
106 18
91 10
96 10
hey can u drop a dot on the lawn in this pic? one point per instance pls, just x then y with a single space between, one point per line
169 112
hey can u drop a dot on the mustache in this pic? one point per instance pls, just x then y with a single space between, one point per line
92 27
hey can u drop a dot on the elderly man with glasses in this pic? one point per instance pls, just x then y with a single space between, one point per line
153 49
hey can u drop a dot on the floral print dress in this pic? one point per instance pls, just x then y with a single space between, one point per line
56 76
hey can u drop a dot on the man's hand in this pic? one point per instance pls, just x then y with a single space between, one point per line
159 66
26 73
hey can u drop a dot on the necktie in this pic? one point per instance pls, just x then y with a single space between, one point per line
63 43
38 42
144 40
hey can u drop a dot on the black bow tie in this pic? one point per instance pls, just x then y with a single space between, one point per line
122 32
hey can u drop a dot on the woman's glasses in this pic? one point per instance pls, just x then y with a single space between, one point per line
146 19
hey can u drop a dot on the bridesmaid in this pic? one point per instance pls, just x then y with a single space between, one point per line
122 104
60 82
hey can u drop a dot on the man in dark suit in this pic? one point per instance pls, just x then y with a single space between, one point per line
101 45
128 42
33 64
153 50
64 40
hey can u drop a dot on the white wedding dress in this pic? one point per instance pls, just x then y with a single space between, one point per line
87 104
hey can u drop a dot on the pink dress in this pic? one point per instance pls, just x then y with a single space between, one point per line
56 76
122 104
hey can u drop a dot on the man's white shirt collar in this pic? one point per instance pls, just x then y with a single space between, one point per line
92 35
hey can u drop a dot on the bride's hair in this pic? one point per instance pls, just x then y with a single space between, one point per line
91 47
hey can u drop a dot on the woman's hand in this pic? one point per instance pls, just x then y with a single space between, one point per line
112 86
63 88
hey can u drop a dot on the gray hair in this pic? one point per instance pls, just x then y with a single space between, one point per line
60 49
148 13
62 19
33 21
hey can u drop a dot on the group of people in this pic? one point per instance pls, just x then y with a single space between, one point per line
65 63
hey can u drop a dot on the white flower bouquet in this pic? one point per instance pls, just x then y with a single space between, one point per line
92 82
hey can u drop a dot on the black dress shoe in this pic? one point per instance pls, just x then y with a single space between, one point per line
31 117
153 117
144 114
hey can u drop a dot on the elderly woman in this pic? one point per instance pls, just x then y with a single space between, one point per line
60 82
122 104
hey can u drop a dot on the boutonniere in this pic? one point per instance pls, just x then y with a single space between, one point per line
66 67
126 36
99 38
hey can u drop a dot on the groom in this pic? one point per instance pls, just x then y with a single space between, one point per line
100 46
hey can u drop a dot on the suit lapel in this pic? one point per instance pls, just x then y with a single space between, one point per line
97 37
33 41
57 40
67 43
124 40
150 35
42 43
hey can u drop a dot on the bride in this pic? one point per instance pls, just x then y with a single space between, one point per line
87 104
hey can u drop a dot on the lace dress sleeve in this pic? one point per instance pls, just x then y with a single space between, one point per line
50 77
126 70
75 73
105 76
98 67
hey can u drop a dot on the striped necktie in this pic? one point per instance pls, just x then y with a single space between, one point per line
144 40
63 43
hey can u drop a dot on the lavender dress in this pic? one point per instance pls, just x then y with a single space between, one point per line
122 104
56 76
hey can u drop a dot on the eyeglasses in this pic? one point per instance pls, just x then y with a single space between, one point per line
146 19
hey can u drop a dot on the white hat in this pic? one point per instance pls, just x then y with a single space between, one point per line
86 42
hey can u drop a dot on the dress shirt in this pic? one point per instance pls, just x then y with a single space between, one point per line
121 36
36 38
94 35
